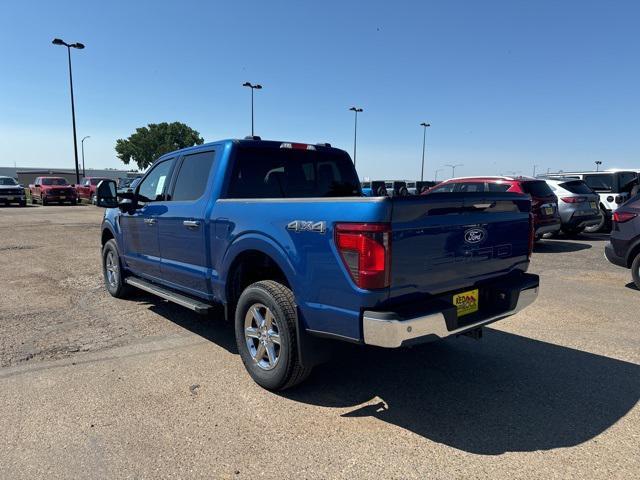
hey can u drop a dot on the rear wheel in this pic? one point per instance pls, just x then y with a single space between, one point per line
635 270
265 325
43 201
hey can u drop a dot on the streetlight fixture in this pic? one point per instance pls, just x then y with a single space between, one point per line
79 46
355 131
598 163
84 174
453 168
424 141
257 86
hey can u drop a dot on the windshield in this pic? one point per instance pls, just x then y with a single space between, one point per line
576 186
537 189
7 181
54 181
96 181
291 173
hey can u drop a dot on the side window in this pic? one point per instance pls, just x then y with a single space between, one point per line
469 187
193 176
151 189
446 188
499 187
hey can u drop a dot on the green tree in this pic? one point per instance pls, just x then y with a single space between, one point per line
154 140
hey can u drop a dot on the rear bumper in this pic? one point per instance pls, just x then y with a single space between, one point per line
579 221
611 255
393 329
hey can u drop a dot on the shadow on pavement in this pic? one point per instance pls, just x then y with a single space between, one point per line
504 394
632 286
559 246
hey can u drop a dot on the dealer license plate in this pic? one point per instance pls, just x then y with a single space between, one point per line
548 210
466 302
593 205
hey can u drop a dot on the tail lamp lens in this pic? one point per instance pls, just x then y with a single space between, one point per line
365 249
621 217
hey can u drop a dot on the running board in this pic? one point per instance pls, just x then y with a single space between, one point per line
188 302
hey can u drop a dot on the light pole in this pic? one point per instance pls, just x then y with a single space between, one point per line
598 163
435 178
424 142
257 86
79 46
453 168
534 170
84 174
355 132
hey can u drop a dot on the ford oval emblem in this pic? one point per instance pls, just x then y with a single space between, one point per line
475 235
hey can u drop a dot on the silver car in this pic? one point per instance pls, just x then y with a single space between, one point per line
578 205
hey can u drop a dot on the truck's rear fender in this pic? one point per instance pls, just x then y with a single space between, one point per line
329 303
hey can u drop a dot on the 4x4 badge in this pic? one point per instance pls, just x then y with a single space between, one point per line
307 226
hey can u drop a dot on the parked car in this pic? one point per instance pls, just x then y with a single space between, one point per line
12 192
578 205
52 189
281 235
614 188
544 204
623 248
87 189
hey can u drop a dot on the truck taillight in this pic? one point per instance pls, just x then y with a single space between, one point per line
365 249
532 234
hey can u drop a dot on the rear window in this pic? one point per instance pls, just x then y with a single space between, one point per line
292 173
54 181
576 186
600 183
537 189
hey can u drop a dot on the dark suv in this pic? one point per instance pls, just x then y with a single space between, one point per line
544 203
624 247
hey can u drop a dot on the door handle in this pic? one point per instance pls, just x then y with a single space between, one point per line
191 224
150 221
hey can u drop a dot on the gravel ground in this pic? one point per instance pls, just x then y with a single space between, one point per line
91 386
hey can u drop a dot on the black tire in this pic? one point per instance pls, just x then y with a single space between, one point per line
635 270
114 284
600 226
43 201
23 203
286 371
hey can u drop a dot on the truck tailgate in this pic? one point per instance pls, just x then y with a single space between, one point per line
446 241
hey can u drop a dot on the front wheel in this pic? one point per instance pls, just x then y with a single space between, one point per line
635 271
265 326
112 271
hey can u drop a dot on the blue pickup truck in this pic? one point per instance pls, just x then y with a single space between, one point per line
280 234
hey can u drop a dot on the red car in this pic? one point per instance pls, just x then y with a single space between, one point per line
87 189
544 205
52 189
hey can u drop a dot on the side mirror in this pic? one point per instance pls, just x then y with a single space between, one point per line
106 194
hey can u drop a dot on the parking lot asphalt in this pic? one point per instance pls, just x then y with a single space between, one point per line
94 387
